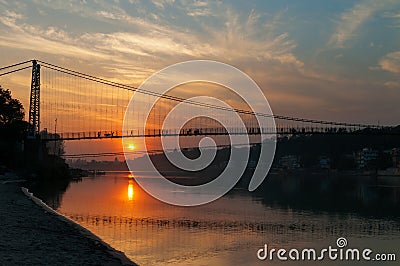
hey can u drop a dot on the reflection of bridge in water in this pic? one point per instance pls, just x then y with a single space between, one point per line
69 105
321 229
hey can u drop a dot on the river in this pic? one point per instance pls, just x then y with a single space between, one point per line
291 211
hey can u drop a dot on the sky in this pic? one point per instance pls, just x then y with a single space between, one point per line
334 60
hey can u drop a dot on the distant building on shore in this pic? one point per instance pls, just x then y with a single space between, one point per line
324 162
396 157
289 162
365 157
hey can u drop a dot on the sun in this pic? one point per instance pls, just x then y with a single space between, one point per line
131 147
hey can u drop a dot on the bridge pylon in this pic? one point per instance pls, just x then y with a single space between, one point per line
34 107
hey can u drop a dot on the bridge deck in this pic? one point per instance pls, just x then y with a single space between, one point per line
209 132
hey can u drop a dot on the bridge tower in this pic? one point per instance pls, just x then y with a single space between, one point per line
34 108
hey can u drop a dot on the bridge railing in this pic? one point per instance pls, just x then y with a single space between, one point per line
284 130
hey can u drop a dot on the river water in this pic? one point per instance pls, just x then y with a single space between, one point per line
291 211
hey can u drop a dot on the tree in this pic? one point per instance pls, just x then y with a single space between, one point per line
12 124
11 110
13 129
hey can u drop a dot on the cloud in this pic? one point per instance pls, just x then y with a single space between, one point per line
158 3
106 14
161 3
393 84
200 8
12 15
200 12
131 54
101 45
236 37
391 62
351 20
246 37
137 44
391 14
394 16
200 3
51 40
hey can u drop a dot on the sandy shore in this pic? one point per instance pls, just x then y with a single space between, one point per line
33 235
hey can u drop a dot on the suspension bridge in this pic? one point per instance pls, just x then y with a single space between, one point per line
66 105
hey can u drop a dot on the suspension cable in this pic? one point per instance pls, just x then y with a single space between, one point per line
179 99
16 70
14 65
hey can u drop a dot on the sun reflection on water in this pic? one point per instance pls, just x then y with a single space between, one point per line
130 190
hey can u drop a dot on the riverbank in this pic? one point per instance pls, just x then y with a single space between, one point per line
34 235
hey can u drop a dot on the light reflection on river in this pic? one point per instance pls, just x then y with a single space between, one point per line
228 231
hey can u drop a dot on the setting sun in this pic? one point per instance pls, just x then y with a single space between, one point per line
131 147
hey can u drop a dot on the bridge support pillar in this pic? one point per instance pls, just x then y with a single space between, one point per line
34 108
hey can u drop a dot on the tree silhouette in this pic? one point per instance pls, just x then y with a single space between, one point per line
11 110
12 124
13 129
